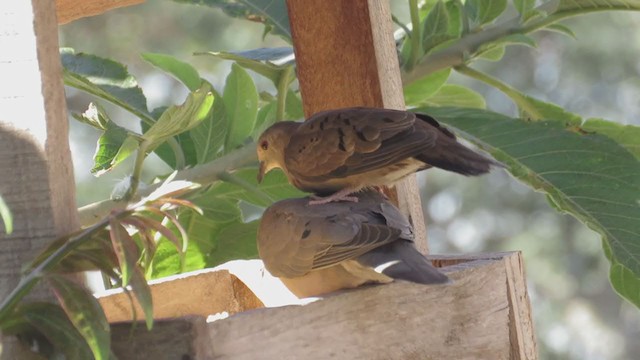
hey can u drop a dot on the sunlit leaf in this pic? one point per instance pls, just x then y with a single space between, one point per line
255 63
180 118
625 282
456 95
625 135
241 103
103 78
208 136
236 241
181 70
85 314
423 88
274 185
125 249
561 29
115 145
586 175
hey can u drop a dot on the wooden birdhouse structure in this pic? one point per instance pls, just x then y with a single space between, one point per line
484 314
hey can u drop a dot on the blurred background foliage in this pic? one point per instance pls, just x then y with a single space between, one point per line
577 314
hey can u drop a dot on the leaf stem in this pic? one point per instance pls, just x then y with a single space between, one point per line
204 174
137 171
416 47
283 88
518 98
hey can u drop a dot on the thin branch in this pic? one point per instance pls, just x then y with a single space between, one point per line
202 174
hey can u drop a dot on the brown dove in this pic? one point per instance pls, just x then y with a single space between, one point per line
342 151
339 245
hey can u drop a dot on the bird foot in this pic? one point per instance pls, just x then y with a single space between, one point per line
339 196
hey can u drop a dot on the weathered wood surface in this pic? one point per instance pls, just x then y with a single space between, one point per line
203 293
346 56
480 316
37 174
69 10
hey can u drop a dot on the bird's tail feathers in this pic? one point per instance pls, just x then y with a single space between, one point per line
401 260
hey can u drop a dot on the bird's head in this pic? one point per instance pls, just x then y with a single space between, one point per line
272 144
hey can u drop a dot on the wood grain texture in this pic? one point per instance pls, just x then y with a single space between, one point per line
69 10
203 293
346 56
469 319
37 174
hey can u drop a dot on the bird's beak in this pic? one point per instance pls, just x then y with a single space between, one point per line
261 172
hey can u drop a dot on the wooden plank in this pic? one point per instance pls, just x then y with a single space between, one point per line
203 292
469 319
37 175
346 56
69 10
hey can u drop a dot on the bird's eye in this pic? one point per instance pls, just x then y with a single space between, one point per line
264 145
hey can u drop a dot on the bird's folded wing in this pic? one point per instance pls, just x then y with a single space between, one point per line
330 139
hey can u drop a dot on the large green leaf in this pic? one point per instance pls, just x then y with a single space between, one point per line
85 313
183 140
236 241
180 118
435 28
273 13
456 95
181 70
103 78
50 320
423 88
208 137
586 175
574 7
625 135
484 11
241 103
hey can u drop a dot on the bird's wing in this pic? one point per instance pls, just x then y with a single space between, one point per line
333 141
294 238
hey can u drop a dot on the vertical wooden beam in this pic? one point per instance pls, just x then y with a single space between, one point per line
37 175
346 56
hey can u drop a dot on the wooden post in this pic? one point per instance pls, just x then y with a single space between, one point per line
69 10
346 56
37 175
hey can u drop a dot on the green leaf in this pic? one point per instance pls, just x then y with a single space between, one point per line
182 71
180 118
208 136
201 229
625 135
435 28
143 293
125 249
575 7
456 95
7 218
625 282
535 109
423 88
484 11
236 241
293 106
455 10
265 118
493 53
85 314
50 320
184 140
559 28
241 103
272 13
275 186
105 79
588 176
258 60
524 7
114 146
